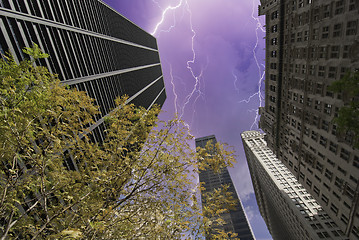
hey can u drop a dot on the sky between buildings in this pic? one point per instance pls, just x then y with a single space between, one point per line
212 55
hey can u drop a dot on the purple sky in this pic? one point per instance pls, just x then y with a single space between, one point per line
212 64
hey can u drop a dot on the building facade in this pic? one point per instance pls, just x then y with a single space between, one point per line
92 48
310 44
236 220
289 211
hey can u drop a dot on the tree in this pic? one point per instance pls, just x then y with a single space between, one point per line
348 115
137 184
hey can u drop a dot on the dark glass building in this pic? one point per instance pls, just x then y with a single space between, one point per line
91 47
236 220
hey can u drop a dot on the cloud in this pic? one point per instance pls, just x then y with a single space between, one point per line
249 212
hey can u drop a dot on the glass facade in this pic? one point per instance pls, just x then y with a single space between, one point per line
236 220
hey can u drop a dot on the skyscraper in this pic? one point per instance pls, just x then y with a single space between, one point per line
236 220
310 44
289 211
91 47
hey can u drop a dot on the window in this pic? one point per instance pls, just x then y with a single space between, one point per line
336 195
314 136
334 53
337 30
338 182
351 8
356 162
312 70
322 52
334 129
325 199
273 77
331 162
316 14
323 141
353 179
326 9
355 231
344 219
325 125
309 102
273 53
299 37
315 34
319 89
272 99
351 28
273 65
317 105
272 88
334 208
345 154
304 69
306 33
342 171
274 15
325 32
339 7
327 110
316 226
274 41
274 28
323 234
309 183
346 51
349 191
272 109
321 71
333 147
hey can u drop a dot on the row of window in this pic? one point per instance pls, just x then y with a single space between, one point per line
89 55
91 15
320 12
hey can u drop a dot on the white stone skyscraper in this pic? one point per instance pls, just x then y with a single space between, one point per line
289 211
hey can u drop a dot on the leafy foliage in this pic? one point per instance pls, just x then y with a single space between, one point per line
348 115
137 184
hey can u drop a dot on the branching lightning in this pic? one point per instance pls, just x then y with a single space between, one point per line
197 89
174 89
164 12
197 85
260 72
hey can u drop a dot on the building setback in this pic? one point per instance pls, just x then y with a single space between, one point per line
289 211
310 44
91 47
236 220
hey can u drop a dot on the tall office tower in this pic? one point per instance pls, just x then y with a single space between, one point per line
91 47
289 211
236 220
310 44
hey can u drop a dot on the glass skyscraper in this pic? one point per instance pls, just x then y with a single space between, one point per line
92 48
236 220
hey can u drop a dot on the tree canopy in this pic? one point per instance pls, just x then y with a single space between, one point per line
348 115
137 184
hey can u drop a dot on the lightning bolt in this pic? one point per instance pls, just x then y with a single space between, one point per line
197 87
164 12
174 90
260 73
